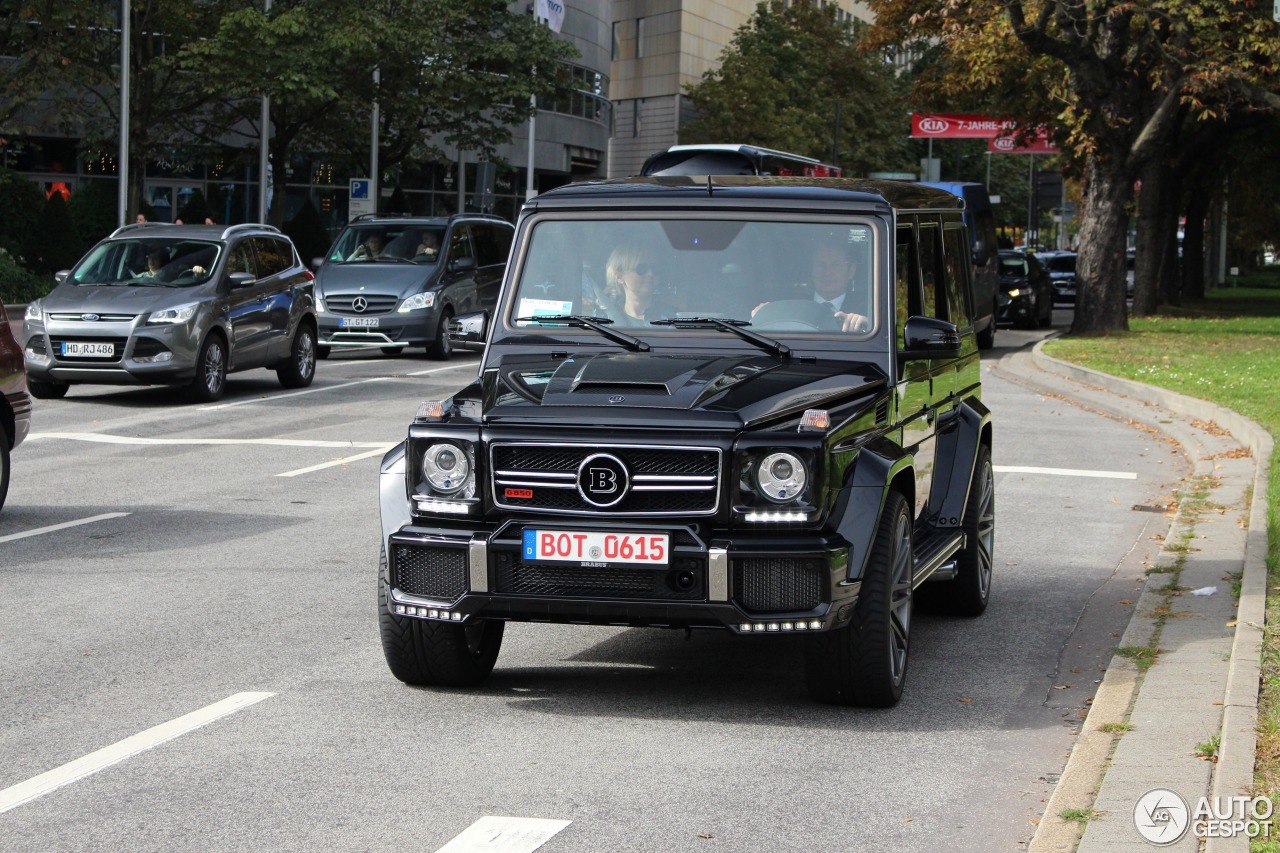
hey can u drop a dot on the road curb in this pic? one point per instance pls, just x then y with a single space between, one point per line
1233 774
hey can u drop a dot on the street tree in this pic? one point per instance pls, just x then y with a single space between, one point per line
449 74
1124 73
793 78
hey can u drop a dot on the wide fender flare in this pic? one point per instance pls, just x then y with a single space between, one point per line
959 435
393 501
862 498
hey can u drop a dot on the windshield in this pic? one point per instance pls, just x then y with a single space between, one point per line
778 276
149 262
1012 266
393 242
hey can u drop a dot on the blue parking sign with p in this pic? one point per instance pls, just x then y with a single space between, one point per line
360 188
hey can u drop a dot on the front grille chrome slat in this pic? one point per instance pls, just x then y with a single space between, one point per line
664 480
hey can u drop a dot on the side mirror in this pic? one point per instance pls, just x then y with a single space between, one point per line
929 337
462 265
316 262
60 276
467 331
240 280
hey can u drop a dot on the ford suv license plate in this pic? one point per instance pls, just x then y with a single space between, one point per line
90 350
595 546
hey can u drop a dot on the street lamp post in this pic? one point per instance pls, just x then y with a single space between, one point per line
122 166
263 164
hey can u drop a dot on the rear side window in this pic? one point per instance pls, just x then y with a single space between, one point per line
460 244
274 256
935 302
241 259
493 244
959 292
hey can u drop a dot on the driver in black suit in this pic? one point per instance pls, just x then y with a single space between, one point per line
833 273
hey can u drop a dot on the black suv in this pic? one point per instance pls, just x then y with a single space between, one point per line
751 404
391 282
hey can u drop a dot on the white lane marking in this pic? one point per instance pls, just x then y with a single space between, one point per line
25 792
504 835
104 438
63 526
1064 472
317 390
380 450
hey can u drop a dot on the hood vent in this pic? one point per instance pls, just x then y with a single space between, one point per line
615 387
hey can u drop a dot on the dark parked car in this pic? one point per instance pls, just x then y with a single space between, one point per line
159 304
15 404
738 403
1030 294
1061 267
392 282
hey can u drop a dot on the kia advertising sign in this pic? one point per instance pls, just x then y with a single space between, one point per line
943 126
1038 144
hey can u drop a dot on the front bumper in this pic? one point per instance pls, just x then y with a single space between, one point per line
415 328
765 583
141 354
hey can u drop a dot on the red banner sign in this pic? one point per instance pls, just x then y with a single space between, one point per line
940 126
999 132
1038 144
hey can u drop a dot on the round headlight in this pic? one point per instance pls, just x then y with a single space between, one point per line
446 467
781 477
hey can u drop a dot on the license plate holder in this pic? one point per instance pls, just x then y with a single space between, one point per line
358 322
596 547
88 349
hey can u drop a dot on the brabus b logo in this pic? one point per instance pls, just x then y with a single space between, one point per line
603 480
934 125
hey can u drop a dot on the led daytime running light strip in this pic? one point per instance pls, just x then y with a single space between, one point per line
778 627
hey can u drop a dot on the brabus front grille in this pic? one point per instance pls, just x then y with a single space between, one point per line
664 481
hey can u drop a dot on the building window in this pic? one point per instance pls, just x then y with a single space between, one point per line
615 49
635 117
639 38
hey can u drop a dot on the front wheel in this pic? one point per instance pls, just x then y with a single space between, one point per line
44 390
865 662
300 368
436 654
441 348
211 371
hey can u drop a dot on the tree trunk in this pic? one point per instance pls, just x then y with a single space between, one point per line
1194 283
1100 270
1152 203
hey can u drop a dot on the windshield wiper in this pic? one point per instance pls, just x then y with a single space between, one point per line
597 324
732 326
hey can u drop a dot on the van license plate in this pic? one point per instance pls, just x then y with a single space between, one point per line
358 322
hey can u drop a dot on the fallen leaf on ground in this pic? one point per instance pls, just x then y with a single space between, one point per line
965 699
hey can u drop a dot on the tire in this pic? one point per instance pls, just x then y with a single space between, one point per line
987 337
865 662
436 654
211 371
323 352
967 594
440 348
1047 320
4 464
300 369
46 390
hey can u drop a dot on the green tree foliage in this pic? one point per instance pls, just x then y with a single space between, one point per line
788 79
93 211
451 75
20 204
1121 79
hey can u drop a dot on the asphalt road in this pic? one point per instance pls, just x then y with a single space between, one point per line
248 565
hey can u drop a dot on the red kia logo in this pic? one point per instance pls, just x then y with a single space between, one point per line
934 125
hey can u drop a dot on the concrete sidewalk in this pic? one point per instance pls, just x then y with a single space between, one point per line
1146 725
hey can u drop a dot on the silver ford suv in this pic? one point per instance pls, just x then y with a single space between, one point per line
159 304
